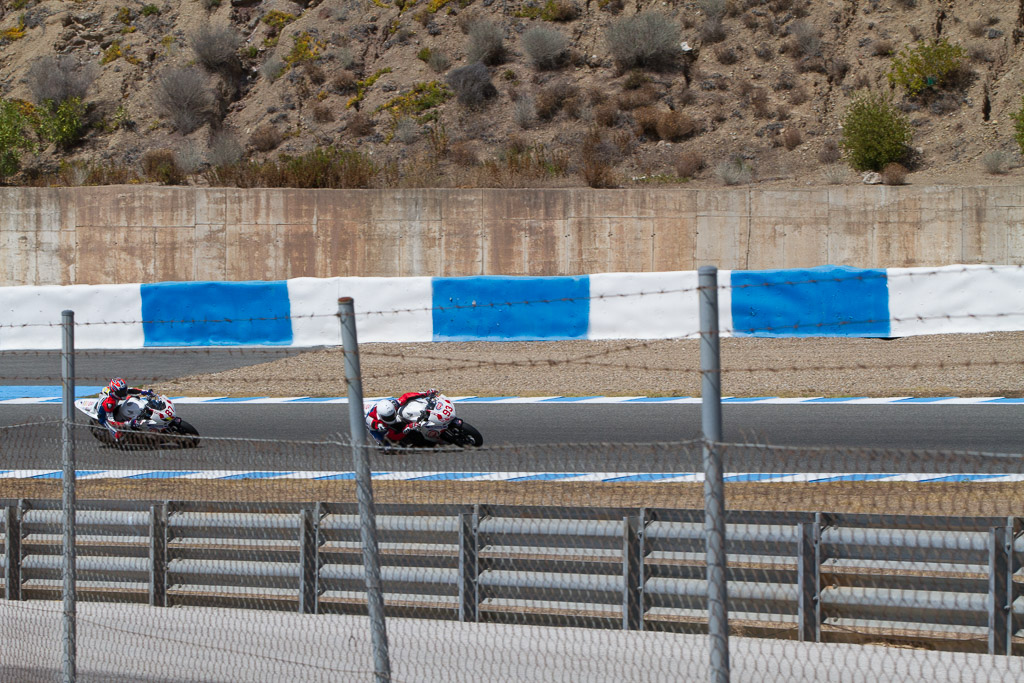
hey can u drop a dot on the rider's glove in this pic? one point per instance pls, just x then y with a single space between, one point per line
409 427
147 392
134 422
433 392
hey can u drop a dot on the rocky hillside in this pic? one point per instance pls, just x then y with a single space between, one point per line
413 93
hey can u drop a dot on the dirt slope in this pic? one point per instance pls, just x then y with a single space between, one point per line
775 68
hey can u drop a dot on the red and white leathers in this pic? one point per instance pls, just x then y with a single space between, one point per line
108 405
397 429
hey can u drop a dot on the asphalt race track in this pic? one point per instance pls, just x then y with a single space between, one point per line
856 438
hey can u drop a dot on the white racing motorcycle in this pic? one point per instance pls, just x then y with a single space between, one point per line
157 423
437 424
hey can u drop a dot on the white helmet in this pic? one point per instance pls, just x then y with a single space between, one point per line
386 411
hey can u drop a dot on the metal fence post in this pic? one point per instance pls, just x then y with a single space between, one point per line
469 566
158 555
633 600
714 487
364 491
67 367
809 582
12 553
309 560
1001 588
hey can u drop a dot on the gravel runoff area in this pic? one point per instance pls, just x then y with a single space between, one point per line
120 643
989 364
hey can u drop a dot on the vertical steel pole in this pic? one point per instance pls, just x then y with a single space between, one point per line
714 487
67 372
364 491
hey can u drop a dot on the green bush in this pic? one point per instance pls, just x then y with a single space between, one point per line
62 124
13 137
928 65
1018 125
875 133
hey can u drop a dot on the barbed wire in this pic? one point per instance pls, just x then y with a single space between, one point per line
883 274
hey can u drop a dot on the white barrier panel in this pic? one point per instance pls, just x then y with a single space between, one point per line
30 316
652 305
387 309
955 299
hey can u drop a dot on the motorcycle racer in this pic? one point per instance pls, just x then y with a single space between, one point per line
384 420
112 396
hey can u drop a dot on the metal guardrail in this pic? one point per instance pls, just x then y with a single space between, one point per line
956 583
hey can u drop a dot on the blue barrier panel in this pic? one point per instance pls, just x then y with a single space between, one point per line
216 313
492 308
827 301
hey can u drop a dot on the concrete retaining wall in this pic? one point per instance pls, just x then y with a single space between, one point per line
121 234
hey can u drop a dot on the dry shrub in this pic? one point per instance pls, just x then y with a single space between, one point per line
216 47
791 139
744 88
635 79
785 81
551 99
546 47
811 64
606 114
322 113
224 149
359 124
995 162
182 96
649 39
798 96
524 112
764 52
161 166
463 153
830 152
689 163
749 21
837 69
882 48
595 156
806 39
675 125
472 84
735 171
315 74
894 174
265 138
641 97
344 81
486 43
726 55
712 30
596 96
59 79
646 119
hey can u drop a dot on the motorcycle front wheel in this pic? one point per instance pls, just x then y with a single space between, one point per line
463 434
186 435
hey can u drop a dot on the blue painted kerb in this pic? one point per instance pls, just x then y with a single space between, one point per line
216 313
827 301
492 308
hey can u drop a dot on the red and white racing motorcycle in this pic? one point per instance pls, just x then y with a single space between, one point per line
437 424
157 423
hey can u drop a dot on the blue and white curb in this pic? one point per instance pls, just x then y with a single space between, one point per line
811 302
602 477
35 395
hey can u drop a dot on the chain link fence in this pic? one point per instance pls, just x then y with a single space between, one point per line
242 560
